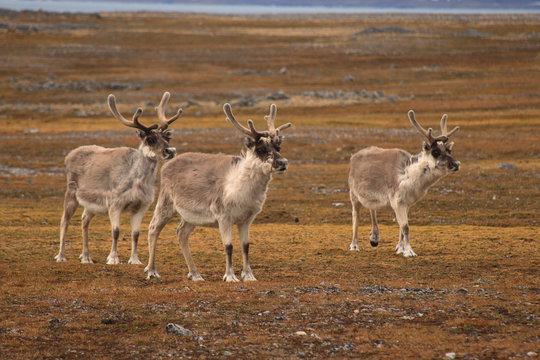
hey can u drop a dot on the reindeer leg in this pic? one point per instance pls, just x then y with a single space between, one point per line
85 220
374 233
403 246
182 232
163 213
355 219
136 219
225 228
114 215
70 205
243 231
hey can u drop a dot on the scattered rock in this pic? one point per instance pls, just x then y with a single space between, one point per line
476 33
280 95
227 353
177 330
344 347
283 70
348 78
82 86
450 355
108 321
32 131
381 30
507 166
482 281
531 354
300 333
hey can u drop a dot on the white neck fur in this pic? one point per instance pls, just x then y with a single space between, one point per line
248 178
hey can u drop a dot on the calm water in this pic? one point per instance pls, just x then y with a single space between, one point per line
98 6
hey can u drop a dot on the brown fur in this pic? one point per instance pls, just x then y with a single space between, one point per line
218 190
111 181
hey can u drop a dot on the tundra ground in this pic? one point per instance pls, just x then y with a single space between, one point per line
345 82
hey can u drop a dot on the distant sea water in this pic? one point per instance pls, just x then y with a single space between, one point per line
112 6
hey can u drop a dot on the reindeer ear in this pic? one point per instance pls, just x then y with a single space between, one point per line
141 134
449 145
426 146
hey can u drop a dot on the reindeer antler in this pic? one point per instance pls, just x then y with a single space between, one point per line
161 112
271 118
135 123
254 133
428 133
443 127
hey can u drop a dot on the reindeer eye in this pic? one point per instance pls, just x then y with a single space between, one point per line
260 151
151 140
436 153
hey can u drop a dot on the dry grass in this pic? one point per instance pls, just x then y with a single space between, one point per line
474 287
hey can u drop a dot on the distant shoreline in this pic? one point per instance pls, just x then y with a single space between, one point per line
98 6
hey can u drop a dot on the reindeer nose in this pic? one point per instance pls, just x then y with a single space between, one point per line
170 153
282 164
455 166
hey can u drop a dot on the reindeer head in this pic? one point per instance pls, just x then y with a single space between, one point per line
154 139
265 145
438 147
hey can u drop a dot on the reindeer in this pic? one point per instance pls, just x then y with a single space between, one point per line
218 190
381 177
111 181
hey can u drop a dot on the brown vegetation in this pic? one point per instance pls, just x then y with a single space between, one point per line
474 288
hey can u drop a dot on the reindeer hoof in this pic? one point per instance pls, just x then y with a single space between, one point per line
134 261
354 247
60 258
86 259
195 277
152 274
374 238
113 260
409 253
230 278
247 277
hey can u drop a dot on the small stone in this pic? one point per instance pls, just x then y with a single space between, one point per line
531 354
507 166
227 353
450 355
177 330
32 131
300 333
356 311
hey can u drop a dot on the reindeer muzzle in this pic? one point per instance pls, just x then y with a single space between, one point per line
453 165
281 165
169 153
